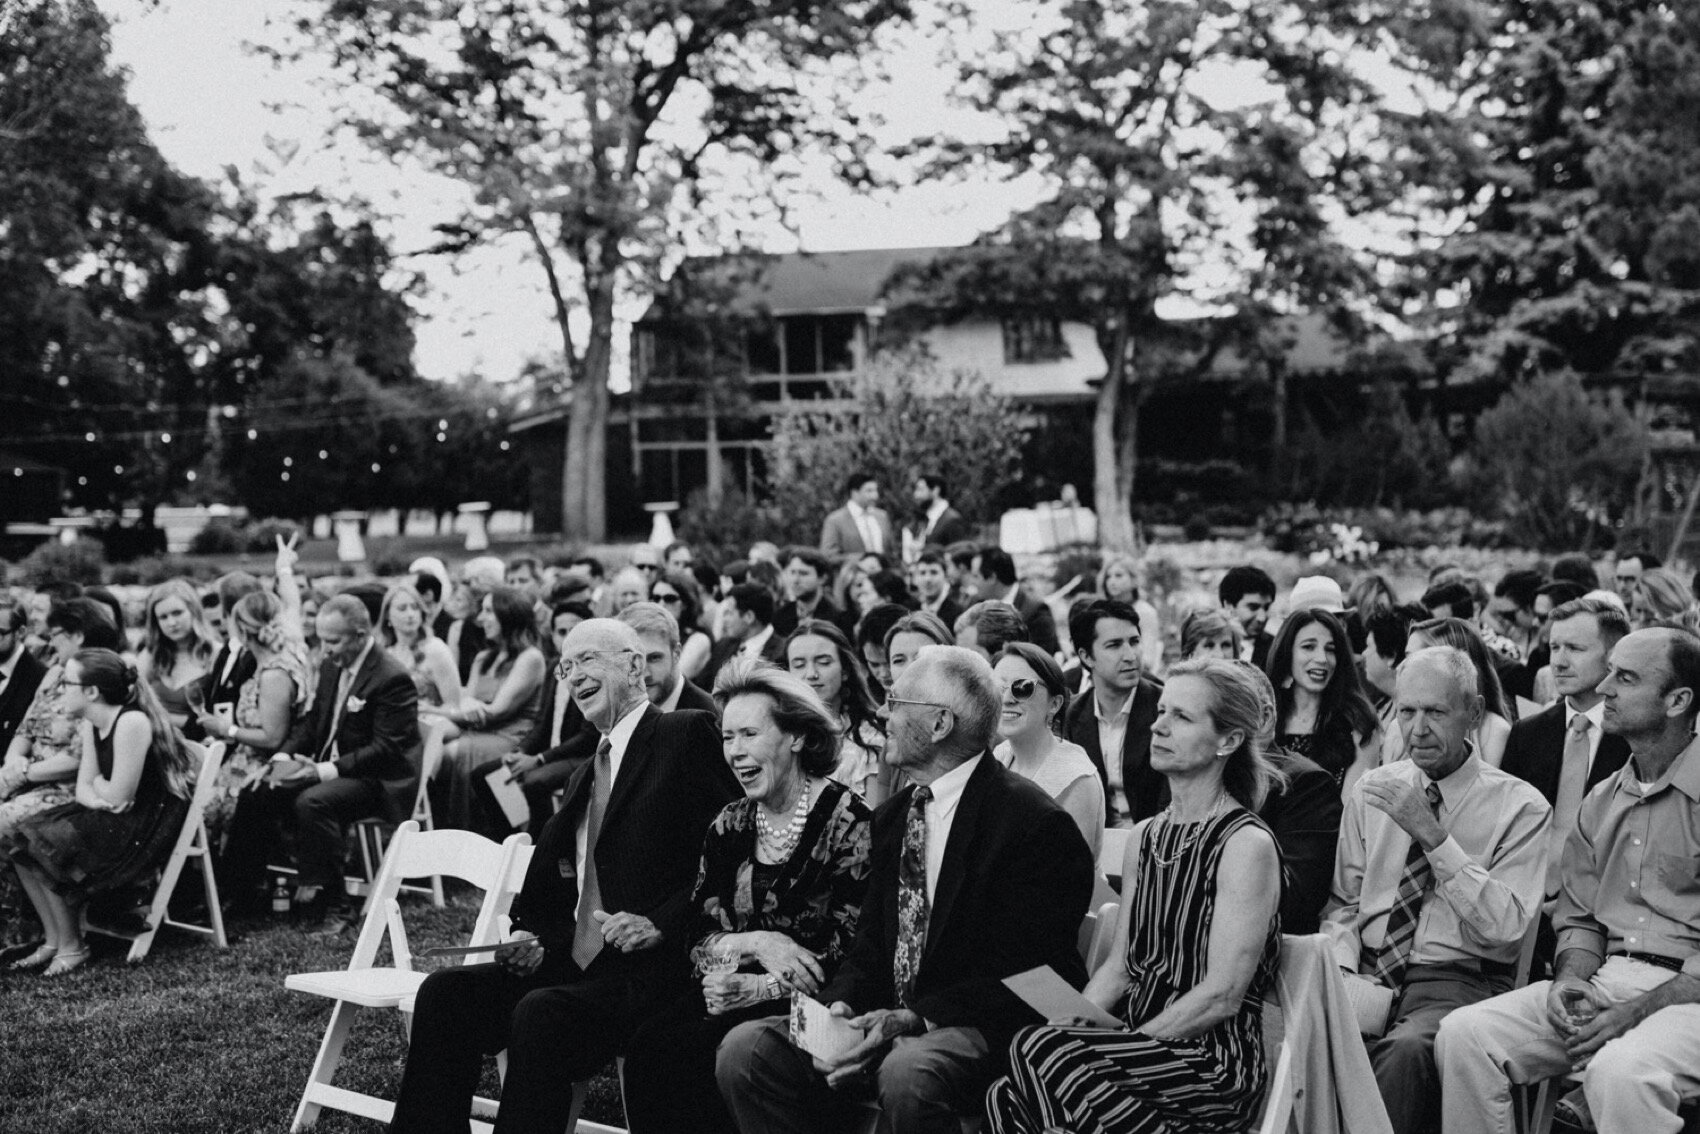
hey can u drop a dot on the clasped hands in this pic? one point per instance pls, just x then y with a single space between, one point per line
1585 1019
293 771
881 1028
627 932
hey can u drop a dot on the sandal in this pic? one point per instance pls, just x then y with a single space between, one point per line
35 960
68 961
1571 1115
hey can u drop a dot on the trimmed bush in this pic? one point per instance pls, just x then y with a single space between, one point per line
82 562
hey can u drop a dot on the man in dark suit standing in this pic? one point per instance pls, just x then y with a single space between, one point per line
975 876
994 571
861 525
604 910
748 622
1112 720
356 754
20 671
939 524
1563 750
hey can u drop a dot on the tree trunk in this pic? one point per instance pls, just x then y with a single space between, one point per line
584 480
1112 492
1278 431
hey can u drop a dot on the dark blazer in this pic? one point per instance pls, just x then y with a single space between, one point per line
20 691
672 783
379 739
1011 894
216 689
951 528
949 610
578 736
1305 819
1260 647
1041 623
727 648
785 618
1146 790
1535 752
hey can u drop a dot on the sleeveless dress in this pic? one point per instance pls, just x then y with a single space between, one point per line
1114 1082
175 702
82 851
475 747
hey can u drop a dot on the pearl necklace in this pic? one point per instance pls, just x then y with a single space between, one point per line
781 844
1187 842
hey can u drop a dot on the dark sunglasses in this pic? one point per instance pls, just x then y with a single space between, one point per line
668 598
1022 688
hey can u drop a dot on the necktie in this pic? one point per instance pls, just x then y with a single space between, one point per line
587 933
1414 885
913 909
1572 786
342 686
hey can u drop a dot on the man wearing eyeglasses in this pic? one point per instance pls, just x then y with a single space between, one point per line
601 919
976 875
20 671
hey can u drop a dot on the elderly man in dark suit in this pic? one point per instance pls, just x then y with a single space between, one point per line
603 912
976 876
1112 720
355 755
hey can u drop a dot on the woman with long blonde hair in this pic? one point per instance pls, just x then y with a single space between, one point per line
178 646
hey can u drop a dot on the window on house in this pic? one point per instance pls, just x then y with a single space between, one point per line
1033 339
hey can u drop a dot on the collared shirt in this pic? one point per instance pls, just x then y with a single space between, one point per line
872 538
1112 734
1489 873
1631 878
941 813
1596 724
934 510
752 646
232 655
619 738
327 769
937 604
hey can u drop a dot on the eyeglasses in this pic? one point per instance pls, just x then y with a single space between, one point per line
647 566
890 700
667 598
1022 688
568 665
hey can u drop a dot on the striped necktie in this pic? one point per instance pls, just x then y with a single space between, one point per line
913 908
1414 883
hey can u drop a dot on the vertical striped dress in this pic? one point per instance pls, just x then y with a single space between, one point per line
1094 1081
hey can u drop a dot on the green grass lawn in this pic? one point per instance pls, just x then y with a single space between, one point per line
196 1039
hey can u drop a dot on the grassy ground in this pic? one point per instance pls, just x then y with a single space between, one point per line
196 1040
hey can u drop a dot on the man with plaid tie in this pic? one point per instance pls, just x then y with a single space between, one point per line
976 876
1439 873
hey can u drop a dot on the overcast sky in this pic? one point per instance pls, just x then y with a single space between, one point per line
209 104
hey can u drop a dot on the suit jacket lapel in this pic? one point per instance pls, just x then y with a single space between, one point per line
632 763
955 866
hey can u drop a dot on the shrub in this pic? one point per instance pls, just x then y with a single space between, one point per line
158 568
219 537
82 562
260 537
724 532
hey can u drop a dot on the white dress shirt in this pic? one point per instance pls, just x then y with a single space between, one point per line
941 813
872 538
752 647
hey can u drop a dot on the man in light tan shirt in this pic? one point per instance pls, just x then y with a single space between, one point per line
1624 1005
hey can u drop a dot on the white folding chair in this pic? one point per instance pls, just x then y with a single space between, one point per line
191 843
1110 852
370 832
365 984
1289 1018
1103 936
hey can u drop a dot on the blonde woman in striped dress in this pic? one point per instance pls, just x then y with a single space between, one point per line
1197 943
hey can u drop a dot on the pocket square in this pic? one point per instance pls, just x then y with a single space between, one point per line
355 704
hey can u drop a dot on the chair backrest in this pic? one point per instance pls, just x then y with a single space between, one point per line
1103 935
208 758
1111 851
414 853
492 922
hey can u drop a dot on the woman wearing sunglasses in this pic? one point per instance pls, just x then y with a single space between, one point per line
682 598
1033 695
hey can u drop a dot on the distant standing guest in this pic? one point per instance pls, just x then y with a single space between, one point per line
861 524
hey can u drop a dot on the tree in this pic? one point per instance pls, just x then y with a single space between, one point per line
895 420
1558 465
1148 180
586 128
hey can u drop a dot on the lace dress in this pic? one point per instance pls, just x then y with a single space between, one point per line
244 765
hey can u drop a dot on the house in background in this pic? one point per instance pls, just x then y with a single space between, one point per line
736 341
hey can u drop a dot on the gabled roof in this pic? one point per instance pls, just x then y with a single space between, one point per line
794 283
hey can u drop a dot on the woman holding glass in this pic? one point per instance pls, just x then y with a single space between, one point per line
1197 943
1033 694
779 891
820 654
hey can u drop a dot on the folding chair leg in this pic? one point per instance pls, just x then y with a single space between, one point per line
325 1064
157 910
209 885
